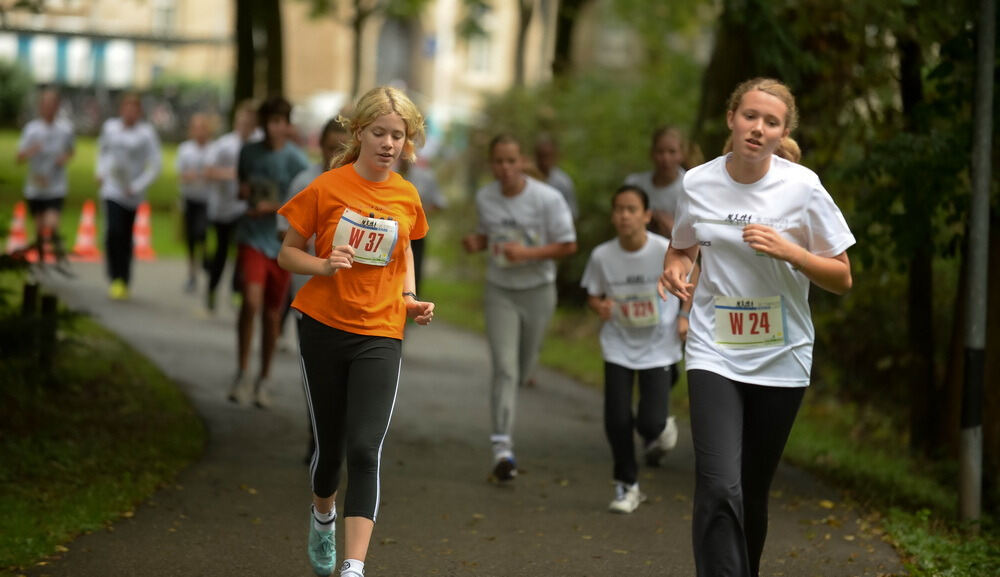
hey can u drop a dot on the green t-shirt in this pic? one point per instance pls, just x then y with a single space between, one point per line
268 172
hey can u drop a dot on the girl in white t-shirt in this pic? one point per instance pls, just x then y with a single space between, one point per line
128 161
639 337
663 184
194 172
766 228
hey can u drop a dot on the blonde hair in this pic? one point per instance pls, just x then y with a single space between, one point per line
376 103
768 86
789 149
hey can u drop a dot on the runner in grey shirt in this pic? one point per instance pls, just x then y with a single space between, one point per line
525 225
47 144
224 204
665 182
546 159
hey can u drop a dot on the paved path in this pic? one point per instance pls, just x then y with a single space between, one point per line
242 509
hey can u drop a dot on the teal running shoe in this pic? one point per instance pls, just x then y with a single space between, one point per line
322 548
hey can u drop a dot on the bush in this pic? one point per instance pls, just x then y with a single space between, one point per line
15 86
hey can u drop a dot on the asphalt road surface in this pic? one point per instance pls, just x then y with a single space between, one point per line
243 508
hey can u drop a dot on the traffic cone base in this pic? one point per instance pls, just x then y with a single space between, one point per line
17 236
142 234
85 248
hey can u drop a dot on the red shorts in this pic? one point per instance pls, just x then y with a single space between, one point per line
257 268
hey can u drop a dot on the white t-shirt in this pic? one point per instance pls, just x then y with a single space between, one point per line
224 204
538 216
46 180
127 158
660 197
642 331
193 157
764 334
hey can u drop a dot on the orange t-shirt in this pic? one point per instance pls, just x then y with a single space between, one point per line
364 299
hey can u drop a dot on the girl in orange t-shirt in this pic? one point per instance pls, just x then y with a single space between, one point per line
354 308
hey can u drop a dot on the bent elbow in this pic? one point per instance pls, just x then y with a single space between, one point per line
844 286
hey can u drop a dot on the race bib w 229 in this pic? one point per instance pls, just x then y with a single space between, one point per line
747 322
372 238
638 311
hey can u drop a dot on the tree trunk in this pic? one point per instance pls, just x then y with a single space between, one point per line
275 52
732 62
950 406
924 401
526 8
245 56
361 15
566 19
922 382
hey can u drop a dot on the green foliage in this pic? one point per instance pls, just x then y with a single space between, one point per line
15 86
75 455
361 9
935 549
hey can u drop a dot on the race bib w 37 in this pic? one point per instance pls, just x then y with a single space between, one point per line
372 238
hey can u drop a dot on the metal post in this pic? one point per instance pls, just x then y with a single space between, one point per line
971 449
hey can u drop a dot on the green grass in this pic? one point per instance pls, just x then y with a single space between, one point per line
83 450
162 195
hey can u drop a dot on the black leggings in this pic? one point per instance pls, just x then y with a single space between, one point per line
350 383
619 422
118 241
195 226
223 237
739 433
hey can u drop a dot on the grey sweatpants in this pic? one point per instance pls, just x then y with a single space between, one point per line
515 326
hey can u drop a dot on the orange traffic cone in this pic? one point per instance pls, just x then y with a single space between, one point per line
17 236
85 248
142 234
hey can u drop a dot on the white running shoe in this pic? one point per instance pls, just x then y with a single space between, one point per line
627 498
262 393
658 448
239 393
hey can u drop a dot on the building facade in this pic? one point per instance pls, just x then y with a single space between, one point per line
111 45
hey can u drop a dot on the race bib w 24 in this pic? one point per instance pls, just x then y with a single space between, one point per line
372 238
749 322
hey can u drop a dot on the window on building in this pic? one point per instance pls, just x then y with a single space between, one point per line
481 46
164 16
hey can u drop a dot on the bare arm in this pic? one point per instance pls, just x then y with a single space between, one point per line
516 252
677 265
829 273
474 242
600 305
683 318
294 258
420 311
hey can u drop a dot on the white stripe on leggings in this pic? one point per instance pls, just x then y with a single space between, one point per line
312 421
378 469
